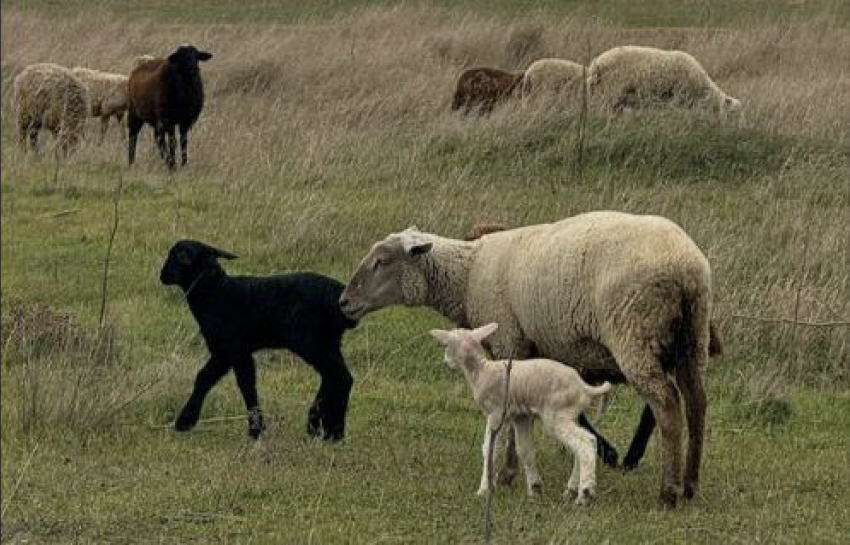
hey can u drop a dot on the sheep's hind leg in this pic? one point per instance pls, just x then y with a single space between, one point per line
246 378
184 144
207 377
525 449
326 416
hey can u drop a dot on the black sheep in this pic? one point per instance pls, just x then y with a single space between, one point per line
166 93
239 315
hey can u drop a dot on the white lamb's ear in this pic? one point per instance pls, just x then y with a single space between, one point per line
440 335
414 244
484 331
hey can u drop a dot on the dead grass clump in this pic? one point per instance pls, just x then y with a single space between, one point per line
258 77
525 44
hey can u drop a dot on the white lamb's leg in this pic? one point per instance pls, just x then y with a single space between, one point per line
572 485
492 423
583 446
525 449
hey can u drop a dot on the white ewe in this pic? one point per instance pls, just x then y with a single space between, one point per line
635 77
108 93
619 296
541 387
49 96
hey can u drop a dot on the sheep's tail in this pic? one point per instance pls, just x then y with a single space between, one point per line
599 394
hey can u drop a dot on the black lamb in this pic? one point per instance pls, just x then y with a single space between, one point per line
239 315
166 93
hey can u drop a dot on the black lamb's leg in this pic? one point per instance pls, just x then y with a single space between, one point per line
246 378
336 383
207 377
603 448
641 438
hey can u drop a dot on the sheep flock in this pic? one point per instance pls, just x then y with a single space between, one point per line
601 297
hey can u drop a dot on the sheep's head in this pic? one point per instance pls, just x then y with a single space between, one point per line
187 260
390 274
187 57
463 345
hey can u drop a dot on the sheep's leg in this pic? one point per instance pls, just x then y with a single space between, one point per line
159 134
510 468
604 449
640 440
246 379
492 424
134 125
646 375
525 448
171 144
582 444
690 381
104 126
184 144
207 377
327 413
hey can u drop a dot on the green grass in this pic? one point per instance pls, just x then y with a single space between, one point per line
348 139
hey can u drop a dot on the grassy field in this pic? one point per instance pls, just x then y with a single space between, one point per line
328 126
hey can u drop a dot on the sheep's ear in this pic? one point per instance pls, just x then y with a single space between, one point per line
204 56
440 335
218 253
484 331
414 245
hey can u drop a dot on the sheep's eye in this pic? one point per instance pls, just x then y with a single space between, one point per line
378 263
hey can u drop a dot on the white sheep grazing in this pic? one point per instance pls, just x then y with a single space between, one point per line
49 96
635 76
619 296
108 94
546 388
555 76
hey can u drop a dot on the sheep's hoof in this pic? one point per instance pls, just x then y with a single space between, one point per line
506 476
256 424
668 497
535 489
334 436
608 454
690 490
185 422
570 494
585 497
482 493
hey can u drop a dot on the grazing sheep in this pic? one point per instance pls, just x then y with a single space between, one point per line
541 387
647 421
622 297
634 77
555 76
108 94
167 94
239 315
49 96
483 88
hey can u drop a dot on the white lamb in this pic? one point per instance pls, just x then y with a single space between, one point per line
541 387
49 96
108 94
634 76
553 75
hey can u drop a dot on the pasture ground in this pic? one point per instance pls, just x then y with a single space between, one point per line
327 128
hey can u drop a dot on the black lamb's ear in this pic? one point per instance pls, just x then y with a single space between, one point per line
218 253
204 56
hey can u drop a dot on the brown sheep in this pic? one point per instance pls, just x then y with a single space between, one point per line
484 228
167 94
483 88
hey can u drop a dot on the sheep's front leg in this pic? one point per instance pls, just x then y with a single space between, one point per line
207 377
489 437
246 379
